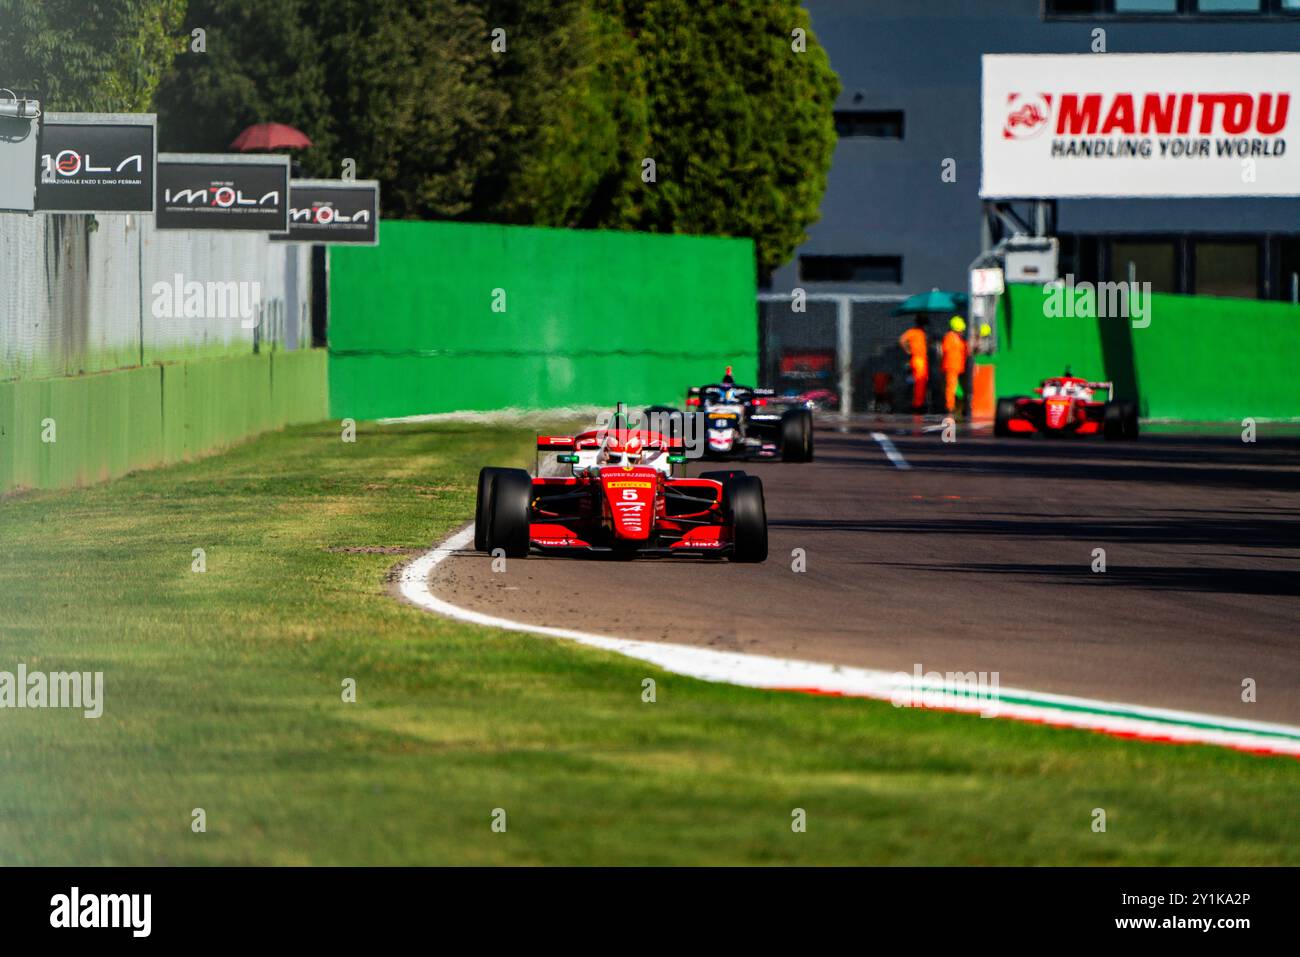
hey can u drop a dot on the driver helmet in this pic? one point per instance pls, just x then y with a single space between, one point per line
621 448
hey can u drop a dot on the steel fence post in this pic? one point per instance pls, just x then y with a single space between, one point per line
845 351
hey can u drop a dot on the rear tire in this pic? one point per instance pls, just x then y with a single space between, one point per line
510 511
1112 422
1130 416
483 506
796 436
1006 410
748 514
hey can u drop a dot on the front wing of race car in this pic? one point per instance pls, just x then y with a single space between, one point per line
1056 416
694 521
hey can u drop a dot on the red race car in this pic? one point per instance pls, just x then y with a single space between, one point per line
620 498
1068 405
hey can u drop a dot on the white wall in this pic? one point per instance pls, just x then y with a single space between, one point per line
77 292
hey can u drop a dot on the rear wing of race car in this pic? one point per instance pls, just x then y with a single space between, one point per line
1093 386
566 445
693 394
569 443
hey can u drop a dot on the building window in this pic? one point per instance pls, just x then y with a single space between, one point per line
1228 268
1233 266
1212 9
1080 257
1288 284
1145 261
869 124
851 269
1146 6
1229 6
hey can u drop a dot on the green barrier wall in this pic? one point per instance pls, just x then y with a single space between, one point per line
1201 359
591 318
108 424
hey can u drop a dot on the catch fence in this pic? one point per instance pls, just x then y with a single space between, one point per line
842 350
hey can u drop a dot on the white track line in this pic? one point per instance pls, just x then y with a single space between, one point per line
787 674
891 451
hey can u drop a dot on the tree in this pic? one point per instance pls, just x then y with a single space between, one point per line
741 124
410 87
89 55
577 120
260 61
551 130
405 89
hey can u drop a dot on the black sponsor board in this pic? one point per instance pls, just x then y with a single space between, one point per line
96 163
333 211
215 191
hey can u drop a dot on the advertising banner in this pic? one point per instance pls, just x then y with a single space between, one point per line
96 163
220 191
333 211
1158 124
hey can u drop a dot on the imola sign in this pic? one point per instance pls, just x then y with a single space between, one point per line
1152 124
219 191
96 163
333 211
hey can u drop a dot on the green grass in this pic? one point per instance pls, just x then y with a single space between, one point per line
223 692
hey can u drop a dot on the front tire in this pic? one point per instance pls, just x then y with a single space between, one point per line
483 506
1006 411
748 514
510 512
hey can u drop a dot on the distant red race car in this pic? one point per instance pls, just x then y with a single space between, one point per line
1068 405
621 499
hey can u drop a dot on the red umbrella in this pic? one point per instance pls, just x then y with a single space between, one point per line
270 136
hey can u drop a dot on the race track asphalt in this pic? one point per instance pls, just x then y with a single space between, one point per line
979 557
